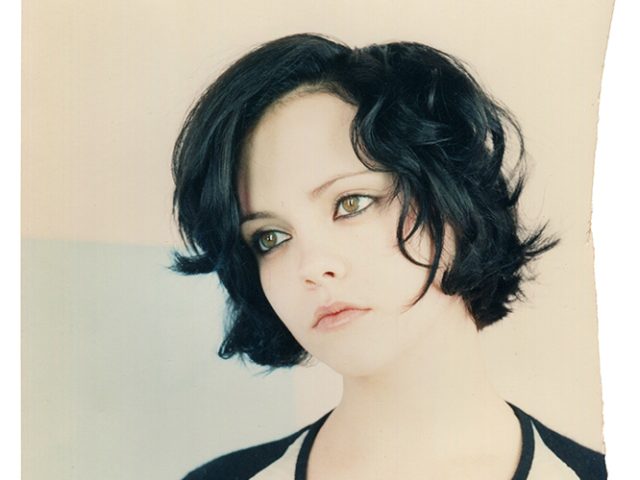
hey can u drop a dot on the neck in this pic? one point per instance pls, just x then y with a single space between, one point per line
438 387
431 414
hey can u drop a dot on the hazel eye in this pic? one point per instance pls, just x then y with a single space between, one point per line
267 241
352 205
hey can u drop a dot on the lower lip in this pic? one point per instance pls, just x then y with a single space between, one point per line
335 320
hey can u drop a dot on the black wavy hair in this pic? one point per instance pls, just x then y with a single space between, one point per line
420 116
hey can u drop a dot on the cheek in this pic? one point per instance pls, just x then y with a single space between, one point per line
418 245
277 291
388 276
269 286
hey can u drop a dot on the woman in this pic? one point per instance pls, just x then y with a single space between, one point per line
356 206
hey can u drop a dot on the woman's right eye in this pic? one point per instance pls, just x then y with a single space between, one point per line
266 241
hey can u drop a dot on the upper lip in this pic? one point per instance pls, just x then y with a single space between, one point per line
332 309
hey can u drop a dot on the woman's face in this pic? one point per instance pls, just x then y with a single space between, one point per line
323 228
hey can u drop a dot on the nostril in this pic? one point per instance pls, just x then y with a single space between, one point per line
312 282
316 268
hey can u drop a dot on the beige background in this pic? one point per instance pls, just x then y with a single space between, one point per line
120 380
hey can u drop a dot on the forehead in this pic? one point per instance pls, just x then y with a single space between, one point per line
298 144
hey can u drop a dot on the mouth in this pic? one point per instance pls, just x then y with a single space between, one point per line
336 314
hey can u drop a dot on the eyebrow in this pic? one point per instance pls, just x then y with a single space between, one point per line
314 193
255 216
318 190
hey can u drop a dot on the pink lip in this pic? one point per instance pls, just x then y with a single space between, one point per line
336 314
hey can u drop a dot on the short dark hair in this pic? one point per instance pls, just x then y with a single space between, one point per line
420 116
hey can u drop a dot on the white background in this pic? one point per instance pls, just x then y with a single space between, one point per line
615 231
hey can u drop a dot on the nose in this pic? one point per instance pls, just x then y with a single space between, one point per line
319 266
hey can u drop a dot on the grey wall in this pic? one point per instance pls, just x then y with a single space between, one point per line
121 378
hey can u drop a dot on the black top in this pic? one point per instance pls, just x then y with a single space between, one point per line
555 454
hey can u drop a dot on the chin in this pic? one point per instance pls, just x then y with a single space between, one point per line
361 360
373 347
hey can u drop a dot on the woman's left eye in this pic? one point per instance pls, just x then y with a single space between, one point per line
352 205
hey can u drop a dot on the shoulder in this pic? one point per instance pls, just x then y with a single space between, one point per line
246 463
587 464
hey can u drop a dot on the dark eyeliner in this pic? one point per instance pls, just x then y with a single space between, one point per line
337 203
255 242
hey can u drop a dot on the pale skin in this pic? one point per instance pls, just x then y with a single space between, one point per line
416 401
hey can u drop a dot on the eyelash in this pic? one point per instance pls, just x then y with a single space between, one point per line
256 237
339 201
